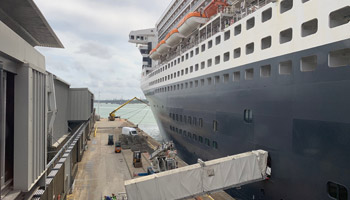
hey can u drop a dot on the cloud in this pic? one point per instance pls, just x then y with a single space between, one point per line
97 54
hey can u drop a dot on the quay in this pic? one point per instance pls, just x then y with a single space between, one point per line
102 172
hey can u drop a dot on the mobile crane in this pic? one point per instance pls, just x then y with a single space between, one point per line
112 114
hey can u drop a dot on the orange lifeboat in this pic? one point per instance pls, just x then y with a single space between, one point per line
214 6
154 55
163 47
191 22
173 38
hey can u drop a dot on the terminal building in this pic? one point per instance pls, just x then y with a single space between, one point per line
44 123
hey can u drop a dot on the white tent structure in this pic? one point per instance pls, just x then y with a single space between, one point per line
200 178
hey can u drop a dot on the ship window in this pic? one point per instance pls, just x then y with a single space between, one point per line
197 50
304 1
196 83
215 145
339 58
308 63
202 82
248 116
196 67
175 62
286 5
191 84
218 40
217 60
238 29
186 71
200 139
180 131
174 74
265 71
191 54
286 35
339 17
309 28
226 78
178 73
195 137
170 115
285 67
195 121
177 130
207 141
266 15
237 53
249 48
215 125
182 58
266 42
180 118
185 119
202 65
337 191
186 85
178 60
236 76
171 76
191 69
185 133
182 72
132 37
209 62
209 81
172 64
189 120
203 47
178 86
226 56
249 74
227 35
186 56
210 44
189 134
182 86
200 122
250 23
217 80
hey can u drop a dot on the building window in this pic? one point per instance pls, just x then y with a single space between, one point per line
227 35
286 5
236 76
249 74
215 125
218 40
285 67
266 42
207 141
238 29
250 23
248 116
266 15
337 191
265 71
308 63
286 35
249 48
215 145
210 44
339 58
309 27
217 60
339 17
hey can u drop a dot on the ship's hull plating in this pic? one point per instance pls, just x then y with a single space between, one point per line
301 119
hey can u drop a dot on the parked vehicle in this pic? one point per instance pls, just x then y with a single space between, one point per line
129 131
118 147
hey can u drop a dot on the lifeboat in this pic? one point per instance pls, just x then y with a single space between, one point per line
214 6
154 55
163 47
173 38
190 23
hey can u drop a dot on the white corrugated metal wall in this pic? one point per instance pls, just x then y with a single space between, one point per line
80 104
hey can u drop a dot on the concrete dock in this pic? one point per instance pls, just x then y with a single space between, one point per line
103 172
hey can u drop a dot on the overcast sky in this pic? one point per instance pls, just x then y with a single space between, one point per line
95 34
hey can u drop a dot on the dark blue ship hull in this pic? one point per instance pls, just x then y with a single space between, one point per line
301 119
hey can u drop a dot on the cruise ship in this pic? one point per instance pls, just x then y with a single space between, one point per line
225 77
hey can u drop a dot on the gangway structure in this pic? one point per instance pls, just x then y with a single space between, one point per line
201 178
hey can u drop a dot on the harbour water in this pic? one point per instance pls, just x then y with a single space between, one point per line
140 114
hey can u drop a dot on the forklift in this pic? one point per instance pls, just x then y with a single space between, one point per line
137 159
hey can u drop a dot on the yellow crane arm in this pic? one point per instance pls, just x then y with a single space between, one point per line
112 114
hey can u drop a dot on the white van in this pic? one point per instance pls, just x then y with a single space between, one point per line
129 131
